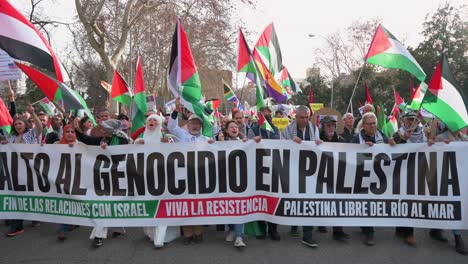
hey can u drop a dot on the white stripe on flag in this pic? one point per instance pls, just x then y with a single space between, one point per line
15 29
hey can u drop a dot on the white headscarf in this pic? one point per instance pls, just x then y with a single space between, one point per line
153 136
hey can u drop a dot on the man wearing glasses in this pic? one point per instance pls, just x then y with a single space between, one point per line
369 135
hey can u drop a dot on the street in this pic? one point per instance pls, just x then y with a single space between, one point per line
40 245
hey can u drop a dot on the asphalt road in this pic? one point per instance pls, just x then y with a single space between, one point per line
40 245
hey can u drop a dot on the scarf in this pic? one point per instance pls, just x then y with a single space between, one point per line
64 140
154 135
309 132
416 137
377 137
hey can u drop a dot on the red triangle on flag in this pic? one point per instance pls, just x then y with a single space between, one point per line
119 86
436 81
379 44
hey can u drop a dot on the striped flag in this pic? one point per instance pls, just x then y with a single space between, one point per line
229 95
120 92
183 79
48 106
22 41
443 98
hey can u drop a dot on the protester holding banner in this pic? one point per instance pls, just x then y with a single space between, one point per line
192 134
262 133
68 137
369 135
410 132
86 125
22 133
153 135
328 134
348 127
367 108
235 232
448 136
299 130
111 135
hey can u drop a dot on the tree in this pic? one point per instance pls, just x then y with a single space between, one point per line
445 32
108 27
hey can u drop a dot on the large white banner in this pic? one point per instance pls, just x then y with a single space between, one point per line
234 182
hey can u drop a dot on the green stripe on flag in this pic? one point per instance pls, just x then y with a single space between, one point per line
123 99
397 61
443 111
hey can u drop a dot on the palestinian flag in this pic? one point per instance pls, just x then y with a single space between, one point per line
119 91
287 81
6 122
140 106
263 123
269 49
57 91
443 98
418 96
229 95
391 126
22 41
213 104
368 96
399 102
386 51
48 106
184 81
246 63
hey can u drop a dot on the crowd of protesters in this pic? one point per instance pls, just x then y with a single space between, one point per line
32 127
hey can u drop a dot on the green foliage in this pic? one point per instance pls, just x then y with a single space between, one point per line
445 32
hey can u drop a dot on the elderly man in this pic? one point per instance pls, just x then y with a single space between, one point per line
328 134
370 135
299 130
111 135
192 134
348 131
410 132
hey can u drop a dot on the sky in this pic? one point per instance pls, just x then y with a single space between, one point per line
294 20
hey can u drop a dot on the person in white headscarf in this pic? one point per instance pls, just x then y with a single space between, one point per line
153 135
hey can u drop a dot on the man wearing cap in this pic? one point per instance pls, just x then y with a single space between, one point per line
262 133
299 130
369 135
410 132
111 135
192 134
328 134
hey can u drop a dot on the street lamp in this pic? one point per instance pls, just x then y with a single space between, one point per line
331 83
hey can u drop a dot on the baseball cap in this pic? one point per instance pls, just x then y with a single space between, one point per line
192 117
327 119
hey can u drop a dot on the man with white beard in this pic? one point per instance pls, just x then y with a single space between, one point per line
153 135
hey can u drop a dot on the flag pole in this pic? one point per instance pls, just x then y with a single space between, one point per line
243 85
355 86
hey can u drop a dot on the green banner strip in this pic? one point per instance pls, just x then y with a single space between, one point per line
78 208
